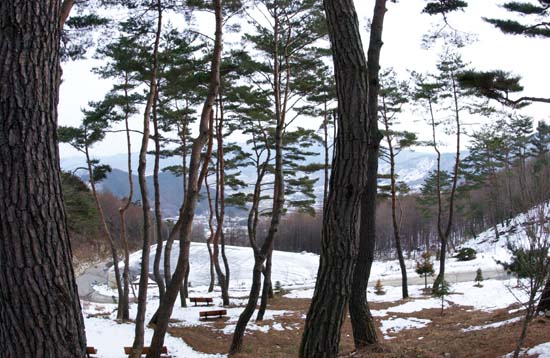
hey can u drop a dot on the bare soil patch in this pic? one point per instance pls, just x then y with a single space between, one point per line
443 337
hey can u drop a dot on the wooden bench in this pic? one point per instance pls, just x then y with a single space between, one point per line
215 313
90 351
145 350
207 300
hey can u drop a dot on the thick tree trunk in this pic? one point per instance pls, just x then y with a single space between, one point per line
364 331
193 186
339 246
40 314
137 346
267 287
244 318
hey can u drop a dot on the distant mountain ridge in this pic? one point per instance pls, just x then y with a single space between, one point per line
411 167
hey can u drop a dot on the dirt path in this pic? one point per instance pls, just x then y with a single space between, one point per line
95 275
452 277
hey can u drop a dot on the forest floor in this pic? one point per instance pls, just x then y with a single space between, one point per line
443 336
475 322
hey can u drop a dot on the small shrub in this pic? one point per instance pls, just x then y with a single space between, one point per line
425 268
278 289
466 254
479 278
378 288
443 290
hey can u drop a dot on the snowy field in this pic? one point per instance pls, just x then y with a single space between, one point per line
296 272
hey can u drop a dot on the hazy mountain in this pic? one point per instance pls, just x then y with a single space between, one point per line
412 168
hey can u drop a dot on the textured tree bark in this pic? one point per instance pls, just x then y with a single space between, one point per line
137 346
364 331
266 288
196 177
339 242
40 314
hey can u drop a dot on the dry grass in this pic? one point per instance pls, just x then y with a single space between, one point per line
441 338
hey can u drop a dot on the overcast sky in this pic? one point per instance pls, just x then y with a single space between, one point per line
403 30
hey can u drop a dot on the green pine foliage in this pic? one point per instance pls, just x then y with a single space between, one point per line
534 21
425 267
479 278
444 289
466 254
82 217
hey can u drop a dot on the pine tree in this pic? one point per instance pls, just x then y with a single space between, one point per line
425 268
498 84
393 95
338 280
286 46
486 158
479 278
444 289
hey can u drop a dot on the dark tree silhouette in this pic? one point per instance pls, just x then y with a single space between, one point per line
40 313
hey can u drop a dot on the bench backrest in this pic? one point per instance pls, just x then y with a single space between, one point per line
91 350
201 299
212 313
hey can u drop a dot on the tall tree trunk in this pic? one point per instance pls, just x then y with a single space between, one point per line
260 255
122 213
193 186
220 206
158 213
326 148
364 331
137 346
114 253
395 222
211 238
444 234
339 245
40 313
252 226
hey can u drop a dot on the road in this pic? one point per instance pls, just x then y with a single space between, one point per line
451 277
95 275
98 275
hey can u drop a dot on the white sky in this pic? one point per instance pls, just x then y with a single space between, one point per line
403 30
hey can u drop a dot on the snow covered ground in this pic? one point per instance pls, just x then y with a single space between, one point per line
296 272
